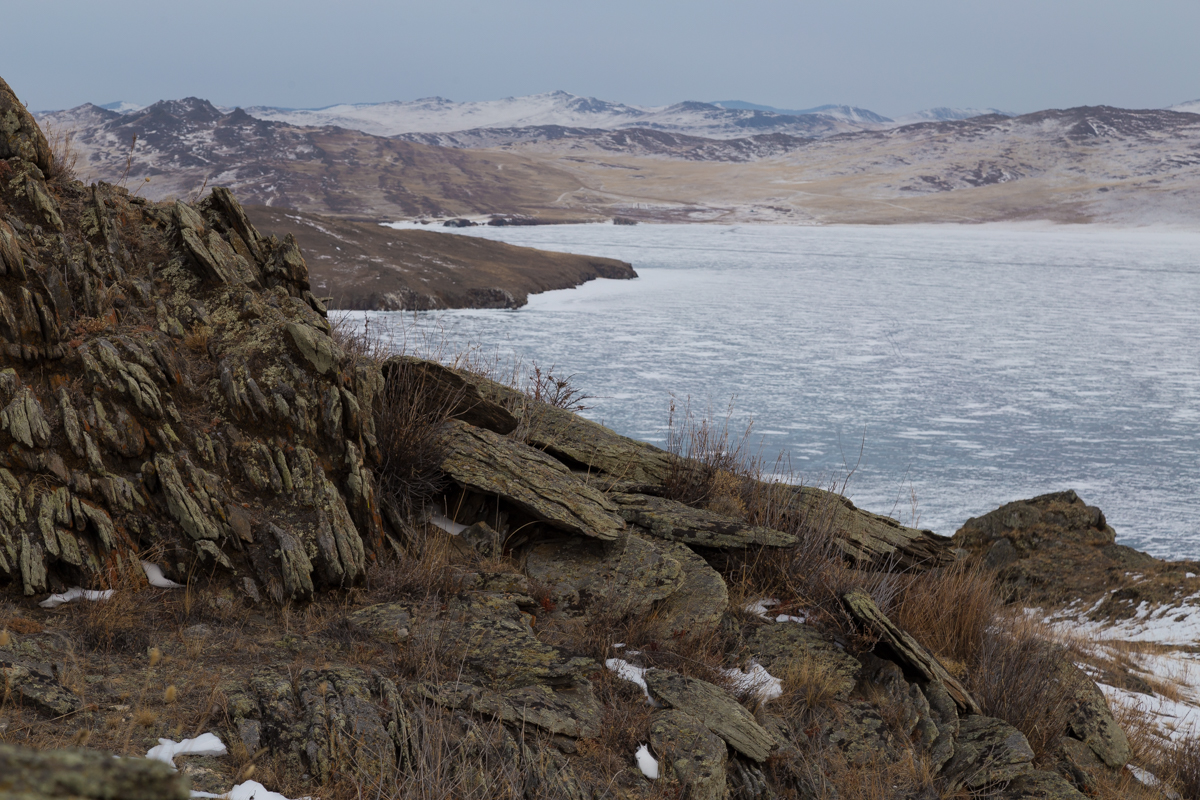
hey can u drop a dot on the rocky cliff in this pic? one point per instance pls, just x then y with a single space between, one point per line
370 575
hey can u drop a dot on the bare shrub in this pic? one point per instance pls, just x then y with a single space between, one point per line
64 158
553 390
809 688
704 458
1182 762
1020 677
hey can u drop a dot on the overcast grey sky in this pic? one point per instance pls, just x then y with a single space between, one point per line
885 55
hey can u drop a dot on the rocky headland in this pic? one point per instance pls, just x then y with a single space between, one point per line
361 265
265 554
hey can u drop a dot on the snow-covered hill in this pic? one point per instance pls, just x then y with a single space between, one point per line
431 118
436 115
943 114
1191 107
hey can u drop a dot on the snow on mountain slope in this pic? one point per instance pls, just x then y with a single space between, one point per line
943 114
437 115
122 107
1190 107
842 112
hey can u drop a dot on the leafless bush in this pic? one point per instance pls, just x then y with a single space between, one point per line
1020 677
64 158
553 390
706 462
1182 759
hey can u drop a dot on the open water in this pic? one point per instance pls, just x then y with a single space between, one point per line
969 365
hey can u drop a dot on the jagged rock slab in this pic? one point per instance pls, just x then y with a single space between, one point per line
668 519
628 575
873 538
863 609
86 774
538 484
715 709
571 438
462 396
988 751
694 754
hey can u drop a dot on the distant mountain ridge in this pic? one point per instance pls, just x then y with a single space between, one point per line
1070 165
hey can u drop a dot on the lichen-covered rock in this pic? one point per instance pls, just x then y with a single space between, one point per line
628 575
34 684
1040 785
715 709
389 621
338 716
87 775
696 607
988 751
1090 720
491 639
529 479
20 136
691 752
668 519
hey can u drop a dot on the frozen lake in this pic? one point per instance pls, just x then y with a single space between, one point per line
973 365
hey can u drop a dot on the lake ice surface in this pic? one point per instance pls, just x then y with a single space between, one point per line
973 365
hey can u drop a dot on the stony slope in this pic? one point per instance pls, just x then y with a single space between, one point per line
381 576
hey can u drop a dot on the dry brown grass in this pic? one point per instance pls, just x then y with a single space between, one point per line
809 688
950 611
64 157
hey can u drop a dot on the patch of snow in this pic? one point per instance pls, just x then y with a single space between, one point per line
448 525
801 617
633 674
757 680
1173 719
647 763
250 790
154 574
1175 624
208 744
75 593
